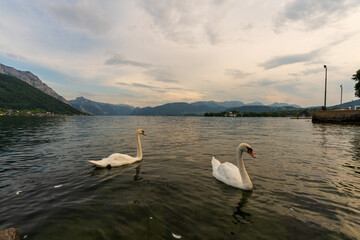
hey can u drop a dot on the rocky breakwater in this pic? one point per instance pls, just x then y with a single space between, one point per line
10 234
337 116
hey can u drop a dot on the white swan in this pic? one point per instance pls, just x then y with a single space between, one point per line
231 175
118 159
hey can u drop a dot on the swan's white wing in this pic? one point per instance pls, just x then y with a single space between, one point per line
228 173
215 163
118 159
228 170
115 160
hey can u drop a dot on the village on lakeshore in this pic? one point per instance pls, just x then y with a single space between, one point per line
10 112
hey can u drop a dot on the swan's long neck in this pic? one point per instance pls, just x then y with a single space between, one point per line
243 173
139 151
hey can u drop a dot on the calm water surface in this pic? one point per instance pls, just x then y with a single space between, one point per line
306 179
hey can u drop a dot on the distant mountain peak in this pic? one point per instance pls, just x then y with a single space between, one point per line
81 99
277 104
32 80
254 104
98 108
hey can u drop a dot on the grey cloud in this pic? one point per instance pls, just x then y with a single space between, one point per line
186 21
120 60
167 80
290 59
288 86
266 83
141 85
308 71
247 26
161 75
176 89
342 38
130 95
262 83
172 18
219 2
258 83
237 74
212 34
310 57
153 87
15 56
313 14
82 15
124 84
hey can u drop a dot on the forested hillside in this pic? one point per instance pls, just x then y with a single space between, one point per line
18 95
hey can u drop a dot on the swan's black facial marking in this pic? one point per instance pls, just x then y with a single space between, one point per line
250 151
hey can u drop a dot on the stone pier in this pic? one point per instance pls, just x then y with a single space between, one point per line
337 116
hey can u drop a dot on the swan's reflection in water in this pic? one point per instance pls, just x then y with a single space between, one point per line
239 215
113 172
137 173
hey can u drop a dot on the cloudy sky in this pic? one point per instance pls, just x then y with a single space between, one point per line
149 52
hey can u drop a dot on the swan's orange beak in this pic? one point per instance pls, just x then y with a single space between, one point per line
251 153
143 133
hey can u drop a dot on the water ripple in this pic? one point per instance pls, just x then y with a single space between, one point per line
306 179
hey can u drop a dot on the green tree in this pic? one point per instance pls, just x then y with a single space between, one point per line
356 78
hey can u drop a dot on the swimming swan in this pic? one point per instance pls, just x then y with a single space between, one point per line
118 159
231 175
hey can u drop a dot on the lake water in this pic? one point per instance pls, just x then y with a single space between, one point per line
306 179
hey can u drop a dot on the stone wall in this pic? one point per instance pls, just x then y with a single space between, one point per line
337 116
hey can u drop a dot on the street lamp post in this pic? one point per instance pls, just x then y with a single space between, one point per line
341 95
325 86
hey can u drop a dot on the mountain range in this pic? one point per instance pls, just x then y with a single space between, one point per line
169 109
174 109
182 108
97 108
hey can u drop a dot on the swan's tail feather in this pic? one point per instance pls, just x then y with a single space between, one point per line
96 163
215 163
